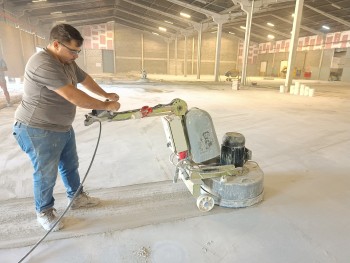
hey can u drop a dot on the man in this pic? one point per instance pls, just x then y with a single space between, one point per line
3 85
43 120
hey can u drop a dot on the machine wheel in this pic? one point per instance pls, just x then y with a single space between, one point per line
205 203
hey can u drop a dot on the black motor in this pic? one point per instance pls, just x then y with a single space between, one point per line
233 150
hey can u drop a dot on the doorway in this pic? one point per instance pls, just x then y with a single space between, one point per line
107 61
283 68
263 67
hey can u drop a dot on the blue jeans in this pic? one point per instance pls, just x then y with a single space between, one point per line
49 152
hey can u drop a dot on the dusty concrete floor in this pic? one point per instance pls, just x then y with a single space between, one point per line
301 144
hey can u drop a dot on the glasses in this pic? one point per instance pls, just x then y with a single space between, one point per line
73 51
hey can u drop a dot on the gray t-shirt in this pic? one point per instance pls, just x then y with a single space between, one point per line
41 107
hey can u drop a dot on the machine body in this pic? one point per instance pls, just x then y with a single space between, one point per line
214 175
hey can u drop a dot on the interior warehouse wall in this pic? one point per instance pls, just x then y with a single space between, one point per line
228 54
155 54
306 61
93 60
17 46
128 50
128 53
346 66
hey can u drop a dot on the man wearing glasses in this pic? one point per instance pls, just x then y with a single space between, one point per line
43 120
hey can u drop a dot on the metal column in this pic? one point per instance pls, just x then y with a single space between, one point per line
248 9
294 42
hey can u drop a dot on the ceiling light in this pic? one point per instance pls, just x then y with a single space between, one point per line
162 29
55 13
326 27
231 33
214 32
243 27
270 36
37 1
169 22
154 33
270 24
293 15
185 15
336 6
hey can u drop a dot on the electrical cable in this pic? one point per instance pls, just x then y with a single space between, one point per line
70 203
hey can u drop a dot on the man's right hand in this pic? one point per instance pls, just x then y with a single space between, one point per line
112 105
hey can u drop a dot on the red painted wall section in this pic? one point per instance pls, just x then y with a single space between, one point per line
98 36
333 40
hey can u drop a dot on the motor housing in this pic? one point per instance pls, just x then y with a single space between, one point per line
233 150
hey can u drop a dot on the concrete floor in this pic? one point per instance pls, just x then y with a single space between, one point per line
301 143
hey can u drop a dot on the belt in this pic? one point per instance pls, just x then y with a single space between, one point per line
17 123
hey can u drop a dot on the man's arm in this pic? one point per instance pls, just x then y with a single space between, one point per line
83 100
92 86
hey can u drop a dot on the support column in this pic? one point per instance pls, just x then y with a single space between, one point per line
142 53
192 59
217 53
321 57
199 29
168 57
248 8
220 20
185 57
175 57
294 42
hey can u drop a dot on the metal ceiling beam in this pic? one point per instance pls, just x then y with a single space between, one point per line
316 32
255 35
43 5
272 30
63 15
339 20
37 19
106 19
161 12
194 8
152 20
258 4
124 24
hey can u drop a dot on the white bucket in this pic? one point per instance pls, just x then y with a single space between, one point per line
301 91
18 80
306 91
282 89
292 87
311 92
235 85
296 90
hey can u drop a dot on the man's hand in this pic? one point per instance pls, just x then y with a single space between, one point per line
112 105
112 96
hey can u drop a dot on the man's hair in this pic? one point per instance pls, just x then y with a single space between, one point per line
66 33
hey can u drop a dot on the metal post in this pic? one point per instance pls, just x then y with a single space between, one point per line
176 56
217 52
185 57
249 11
294 42
199 49
321 57
142 54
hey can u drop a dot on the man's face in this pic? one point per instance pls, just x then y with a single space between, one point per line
68 52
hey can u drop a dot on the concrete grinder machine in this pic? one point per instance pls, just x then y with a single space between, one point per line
224 175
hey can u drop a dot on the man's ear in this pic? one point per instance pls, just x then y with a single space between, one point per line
55 44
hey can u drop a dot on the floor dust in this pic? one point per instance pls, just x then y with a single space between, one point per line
301 144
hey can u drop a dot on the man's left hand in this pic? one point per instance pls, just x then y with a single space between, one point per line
112 96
